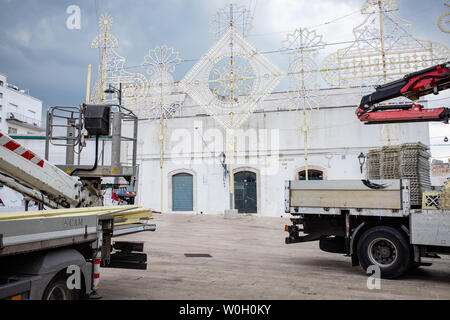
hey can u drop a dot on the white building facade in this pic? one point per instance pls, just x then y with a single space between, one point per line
20 113
269 149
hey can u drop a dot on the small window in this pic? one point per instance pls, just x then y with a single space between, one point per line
312 175
1 83
12 130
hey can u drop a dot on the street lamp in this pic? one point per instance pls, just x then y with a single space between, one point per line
112 90
362 160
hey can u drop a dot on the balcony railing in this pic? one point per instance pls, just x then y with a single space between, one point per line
23 118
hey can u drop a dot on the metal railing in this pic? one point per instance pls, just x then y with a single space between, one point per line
22 118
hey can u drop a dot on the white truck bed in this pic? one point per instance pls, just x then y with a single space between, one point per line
330 197
355 198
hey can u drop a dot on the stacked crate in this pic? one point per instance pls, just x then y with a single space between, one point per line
389 164
406 161
415 166
373 164
445 197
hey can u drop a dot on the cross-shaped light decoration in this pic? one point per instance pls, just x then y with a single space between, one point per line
232 78
160 64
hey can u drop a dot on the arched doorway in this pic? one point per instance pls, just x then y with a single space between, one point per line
245 192
312 175
182 192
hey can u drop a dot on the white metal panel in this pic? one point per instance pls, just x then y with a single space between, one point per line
430 227
387 184
346 194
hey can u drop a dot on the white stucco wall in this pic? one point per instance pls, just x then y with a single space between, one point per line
336 138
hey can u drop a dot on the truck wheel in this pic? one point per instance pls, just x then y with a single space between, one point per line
386 248
57 290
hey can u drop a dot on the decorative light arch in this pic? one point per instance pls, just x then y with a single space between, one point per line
384 49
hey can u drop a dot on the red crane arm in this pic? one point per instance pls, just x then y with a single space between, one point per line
413 86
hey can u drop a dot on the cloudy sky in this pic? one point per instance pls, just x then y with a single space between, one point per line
38 52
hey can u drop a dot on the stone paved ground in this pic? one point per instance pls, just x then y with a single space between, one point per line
250 261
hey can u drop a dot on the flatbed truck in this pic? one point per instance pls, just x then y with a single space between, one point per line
373 222
57 254
40 251
373 225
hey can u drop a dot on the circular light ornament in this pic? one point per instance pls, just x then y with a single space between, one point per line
232 82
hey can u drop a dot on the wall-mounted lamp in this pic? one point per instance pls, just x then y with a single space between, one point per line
362 160
223 159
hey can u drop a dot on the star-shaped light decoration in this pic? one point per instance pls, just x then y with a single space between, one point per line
105 22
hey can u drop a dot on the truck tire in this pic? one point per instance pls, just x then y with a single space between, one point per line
386 248
57 289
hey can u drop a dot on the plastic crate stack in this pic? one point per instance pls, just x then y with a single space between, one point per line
406 161
389 164
373 164
415 166
445 197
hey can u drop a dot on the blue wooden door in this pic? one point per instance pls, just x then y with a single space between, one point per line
182 192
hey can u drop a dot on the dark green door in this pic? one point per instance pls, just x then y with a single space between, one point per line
245 196
182 192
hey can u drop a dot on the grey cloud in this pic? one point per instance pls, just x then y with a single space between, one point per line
38 52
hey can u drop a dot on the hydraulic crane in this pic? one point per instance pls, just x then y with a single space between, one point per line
412 86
